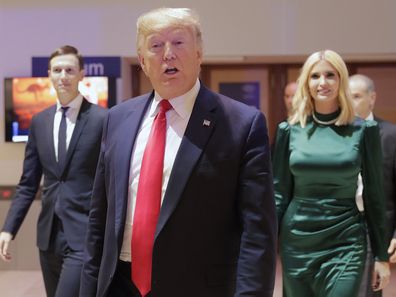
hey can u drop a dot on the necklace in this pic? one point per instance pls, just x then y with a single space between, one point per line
324 122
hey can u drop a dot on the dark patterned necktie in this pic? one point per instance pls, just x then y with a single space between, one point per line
62 139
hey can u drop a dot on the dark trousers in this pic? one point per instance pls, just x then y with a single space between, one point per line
61 266
122 286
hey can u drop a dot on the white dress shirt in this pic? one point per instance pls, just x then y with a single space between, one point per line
176 123
359 191
71 118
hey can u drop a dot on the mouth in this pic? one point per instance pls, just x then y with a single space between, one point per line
324 92
171 70
63 86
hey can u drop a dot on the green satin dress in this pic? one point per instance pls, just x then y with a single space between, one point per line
322 233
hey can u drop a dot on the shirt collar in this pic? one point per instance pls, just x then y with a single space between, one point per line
74 104
183 104
370 117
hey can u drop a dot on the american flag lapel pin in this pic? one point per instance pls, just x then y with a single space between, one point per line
206 123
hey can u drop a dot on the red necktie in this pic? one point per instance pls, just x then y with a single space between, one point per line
148 202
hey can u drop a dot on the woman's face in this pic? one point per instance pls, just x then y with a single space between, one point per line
324 83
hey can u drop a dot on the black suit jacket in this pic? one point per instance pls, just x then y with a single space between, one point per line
217 227
66 191
388 141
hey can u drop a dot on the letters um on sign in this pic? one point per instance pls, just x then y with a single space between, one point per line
94 69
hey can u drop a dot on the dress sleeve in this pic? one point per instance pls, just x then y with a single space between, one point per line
373 190
283 180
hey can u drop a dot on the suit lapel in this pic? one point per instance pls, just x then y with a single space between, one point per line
126 136
80 123
49 136
198 131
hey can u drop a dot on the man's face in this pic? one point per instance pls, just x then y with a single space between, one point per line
65 74
171 58
363 100
290 90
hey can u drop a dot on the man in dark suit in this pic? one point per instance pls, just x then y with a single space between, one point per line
63 145
215 231
364 96
288 94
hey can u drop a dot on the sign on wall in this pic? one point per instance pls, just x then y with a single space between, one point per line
93 66
246 92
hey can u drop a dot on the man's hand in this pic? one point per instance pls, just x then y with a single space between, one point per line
381 275
5 239
392 251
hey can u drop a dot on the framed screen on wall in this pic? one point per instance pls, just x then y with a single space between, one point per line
26 96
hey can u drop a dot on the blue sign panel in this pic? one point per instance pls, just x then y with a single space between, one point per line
246 92
93 66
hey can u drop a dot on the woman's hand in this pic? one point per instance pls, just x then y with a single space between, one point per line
381 275
392 251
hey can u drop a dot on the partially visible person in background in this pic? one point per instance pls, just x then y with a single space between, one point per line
318 155
289 91
364 97
63 146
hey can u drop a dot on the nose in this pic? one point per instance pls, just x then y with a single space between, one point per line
169 54
63 74
322 80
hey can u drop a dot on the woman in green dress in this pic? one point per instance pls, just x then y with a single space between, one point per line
318 155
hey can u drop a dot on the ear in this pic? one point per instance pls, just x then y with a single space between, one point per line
142 63
199 55
82 74
373 97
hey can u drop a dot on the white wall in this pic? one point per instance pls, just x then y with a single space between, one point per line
24 254
231 28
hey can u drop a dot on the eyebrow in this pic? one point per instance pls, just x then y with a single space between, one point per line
327 71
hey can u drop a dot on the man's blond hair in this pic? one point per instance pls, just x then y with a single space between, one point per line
160 18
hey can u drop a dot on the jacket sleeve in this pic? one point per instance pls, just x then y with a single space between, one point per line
394 193
27 187
96 227
257 256
373 190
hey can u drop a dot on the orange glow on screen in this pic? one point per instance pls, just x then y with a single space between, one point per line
33 94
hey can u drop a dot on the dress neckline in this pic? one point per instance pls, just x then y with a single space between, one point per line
326 118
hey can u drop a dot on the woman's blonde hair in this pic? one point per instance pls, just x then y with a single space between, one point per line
160 18
302 104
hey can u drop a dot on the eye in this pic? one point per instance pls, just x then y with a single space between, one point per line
156 45
315 75
330 74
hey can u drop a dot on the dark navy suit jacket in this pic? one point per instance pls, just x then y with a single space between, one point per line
217 227
66 191
388 142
